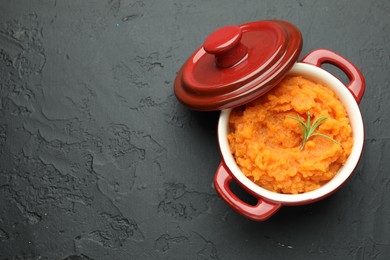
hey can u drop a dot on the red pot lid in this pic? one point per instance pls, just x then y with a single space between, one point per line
237 64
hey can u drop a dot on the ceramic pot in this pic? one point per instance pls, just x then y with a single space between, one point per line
238 64
269 202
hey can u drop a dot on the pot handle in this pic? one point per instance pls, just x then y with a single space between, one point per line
261 211
356 80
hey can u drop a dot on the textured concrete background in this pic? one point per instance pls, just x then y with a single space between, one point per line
98 160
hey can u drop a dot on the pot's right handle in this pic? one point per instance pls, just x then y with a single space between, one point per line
261 211
357 83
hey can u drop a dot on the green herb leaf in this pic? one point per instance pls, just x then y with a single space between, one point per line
307 129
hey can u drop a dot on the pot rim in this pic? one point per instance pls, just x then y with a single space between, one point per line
319 75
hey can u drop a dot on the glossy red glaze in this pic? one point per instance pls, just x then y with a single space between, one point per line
228 80
261 211
357 83
226 46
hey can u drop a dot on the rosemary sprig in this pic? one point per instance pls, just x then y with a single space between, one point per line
307 129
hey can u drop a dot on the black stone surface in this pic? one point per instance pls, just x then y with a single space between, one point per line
98 160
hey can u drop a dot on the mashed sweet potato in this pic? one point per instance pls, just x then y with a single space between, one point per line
266 142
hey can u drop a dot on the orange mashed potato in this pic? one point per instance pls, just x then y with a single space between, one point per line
266 143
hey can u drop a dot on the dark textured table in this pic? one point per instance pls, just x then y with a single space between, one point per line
98 159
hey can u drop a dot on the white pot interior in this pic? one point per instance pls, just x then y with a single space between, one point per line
319 75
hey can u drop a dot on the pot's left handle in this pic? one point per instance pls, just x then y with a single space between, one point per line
261 211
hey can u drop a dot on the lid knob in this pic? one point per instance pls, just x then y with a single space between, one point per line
225 44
